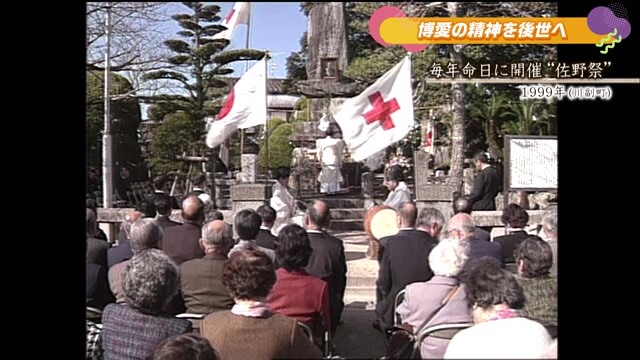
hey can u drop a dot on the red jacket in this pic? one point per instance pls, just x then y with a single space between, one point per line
303 297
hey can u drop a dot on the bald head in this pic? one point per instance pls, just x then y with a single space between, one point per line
407 214
193 209
462 205
461 226
318 215
215 237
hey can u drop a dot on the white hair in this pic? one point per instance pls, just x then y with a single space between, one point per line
448 257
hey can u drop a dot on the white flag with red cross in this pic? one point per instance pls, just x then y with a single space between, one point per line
381 115
239 14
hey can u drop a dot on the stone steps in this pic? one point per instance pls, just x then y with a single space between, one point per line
347 224
347 213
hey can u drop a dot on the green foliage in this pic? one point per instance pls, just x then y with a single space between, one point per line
273 125
179 133
530 117
125 114
301 113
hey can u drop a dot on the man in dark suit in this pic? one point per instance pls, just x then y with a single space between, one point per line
96 248
327 260
265 238
515 218
462 205
201 279
485 186
162 203
182 242
404 261
462 228
98 292
122 252
160 189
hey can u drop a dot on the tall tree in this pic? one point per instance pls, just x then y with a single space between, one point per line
125 113
197 66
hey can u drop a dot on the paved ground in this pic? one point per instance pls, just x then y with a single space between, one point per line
356 338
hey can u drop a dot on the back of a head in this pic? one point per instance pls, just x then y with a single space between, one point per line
151 280
147 208
145 234
247 224
430 217
488 285
93 205
294 248
267 214
193 209
185 347
463 222
91 223
159 182
318 213
281 173
199 180
515 216
462 205
481 156
249 274
550 220
536 257
214 234
217 216
449 257
408 213
394 173
163 204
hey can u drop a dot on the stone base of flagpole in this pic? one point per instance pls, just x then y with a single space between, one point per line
249 196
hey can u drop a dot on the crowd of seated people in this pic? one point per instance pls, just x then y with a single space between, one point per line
254 299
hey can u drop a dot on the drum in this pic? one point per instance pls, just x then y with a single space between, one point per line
380 222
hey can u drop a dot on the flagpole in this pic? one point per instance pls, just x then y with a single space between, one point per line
246 68
266 103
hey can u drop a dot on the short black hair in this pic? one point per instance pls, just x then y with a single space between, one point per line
147 208
267 213
162 203
281 173
199 179
294 248
217 216
515 216
395 173
160 181
247 223
488 284
482 156
536 256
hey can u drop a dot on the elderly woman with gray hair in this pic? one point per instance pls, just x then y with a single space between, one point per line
134 329
422 301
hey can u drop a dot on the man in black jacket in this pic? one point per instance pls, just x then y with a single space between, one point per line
485 187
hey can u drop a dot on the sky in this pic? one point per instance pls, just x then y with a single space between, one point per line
275 26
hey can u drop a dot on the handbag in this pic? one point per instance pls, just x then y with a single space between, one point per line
403 337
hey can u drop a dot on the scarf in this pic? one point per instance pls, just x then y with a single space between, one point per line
258 309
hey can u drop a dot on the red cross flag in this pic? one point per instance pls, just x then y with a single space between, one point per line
245 106
381 115
238 15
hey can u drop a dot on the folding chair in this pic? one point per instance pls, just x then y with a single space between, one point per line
327 346
195 319
397 319
94 314
442 331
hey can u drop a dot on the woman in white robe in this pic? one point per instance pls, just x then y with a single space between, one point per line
330 150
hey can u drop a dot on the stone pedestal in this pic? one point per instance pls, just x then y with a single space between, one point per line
249 196
249 165
439 196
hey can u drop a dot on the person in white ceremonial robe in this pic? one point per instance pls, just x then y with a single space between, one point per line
330 153
283 202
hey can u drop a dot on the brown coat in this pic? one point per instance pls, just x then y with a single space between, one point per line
242 337
182 243
202 287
